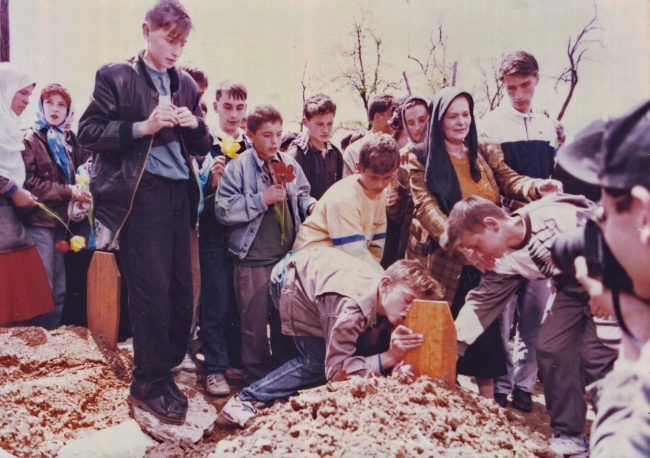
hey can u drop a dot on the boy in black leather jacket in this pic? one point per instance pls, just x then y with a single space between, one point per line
142 124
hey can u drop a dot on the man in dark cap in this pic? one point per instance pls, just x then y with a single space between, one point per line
621 167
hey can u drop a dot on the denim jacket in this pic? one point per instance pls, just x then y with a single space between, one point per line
240 192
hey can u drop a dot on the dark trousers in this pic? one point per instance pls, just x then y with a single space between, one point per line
219 317
257 311
570 355
155 249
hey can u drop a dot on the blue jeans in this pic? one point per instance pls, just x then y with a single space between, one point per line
531 303
305 371
45 238
217 298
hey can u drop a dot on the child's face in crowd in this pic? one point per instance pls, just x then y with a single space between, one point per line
416 120
320 126
68 125
163 49
521 90
231 111
457 120
396 300
374 182
267 139
488 243
55 109
21 100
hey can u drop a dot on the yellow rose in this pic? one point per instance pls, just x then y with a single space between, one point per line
229 147
82 179
77 243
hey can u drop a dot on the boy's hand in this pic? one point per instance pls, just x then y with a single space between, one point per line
216 170
23 198
162 116
478 261
274 193
186 118
79 194
403 340
600 298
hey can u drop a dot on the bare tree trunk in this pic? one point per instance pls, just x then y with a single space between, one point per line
453 76
406 81
4 31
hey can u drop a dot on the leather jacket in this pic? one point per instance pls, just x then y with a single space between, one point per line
125 94
46 180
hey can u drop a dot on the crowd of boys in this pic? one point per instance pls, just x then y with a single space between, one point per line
291 235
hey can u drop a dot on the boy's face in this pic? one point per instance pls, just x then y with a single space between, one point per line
320 127
396 300
521 90
373 182
267 139
416 120
231 112
55 109
163 49
380 122
489 243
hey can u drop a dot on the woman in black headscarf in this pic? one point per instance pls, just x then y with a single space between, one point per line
448 167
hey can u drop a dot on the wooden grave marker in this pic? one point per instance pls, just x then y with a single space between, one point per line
437 355
103 305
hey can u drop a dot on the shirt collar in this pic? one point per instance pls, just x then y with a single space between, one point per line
260 162
531 113
220 134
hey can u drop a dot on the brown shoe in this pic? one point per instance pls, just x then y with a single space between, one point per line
164 408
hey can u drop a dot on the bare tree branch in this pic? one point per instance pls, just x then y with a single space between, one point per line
576 50
361 67
434 69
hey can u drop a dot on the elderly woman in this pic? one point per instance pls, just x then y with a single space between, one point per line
449 166
25 292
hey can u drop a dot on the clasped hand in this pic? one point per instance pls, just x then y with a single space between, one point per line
167 116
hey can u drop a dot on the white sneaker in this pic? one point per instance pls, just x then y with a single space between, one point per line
216 385
570 445
187 365
237 412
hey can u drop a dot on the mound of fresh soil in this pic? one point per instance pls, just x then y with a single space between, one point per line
386 417
56 386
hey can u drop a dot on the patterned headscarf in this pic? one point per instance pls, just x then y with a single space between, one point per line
56 140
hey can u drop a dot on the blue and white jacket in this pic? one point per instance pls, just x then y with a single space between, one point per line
528 140
240 201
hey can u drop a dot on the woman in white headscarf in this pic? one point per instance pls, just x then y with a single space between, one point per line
25 291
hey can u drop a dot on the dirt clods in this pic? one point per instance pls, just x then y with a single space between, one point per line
385 417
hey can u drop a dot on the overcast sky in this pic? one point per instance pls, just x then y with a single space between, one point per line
265 44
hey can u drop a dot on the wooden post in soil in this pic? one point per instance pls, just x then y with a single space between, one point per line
437 355
103 304
4 31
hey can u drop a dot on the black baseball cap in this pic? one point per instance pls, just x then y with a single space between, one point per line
612 153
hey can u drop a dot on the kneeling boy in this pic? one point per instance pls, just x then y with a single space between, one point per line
327 299
351 215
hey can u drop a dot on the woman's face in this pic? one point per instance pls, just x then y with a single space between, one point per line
21 99
55 109
416 120
457 120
